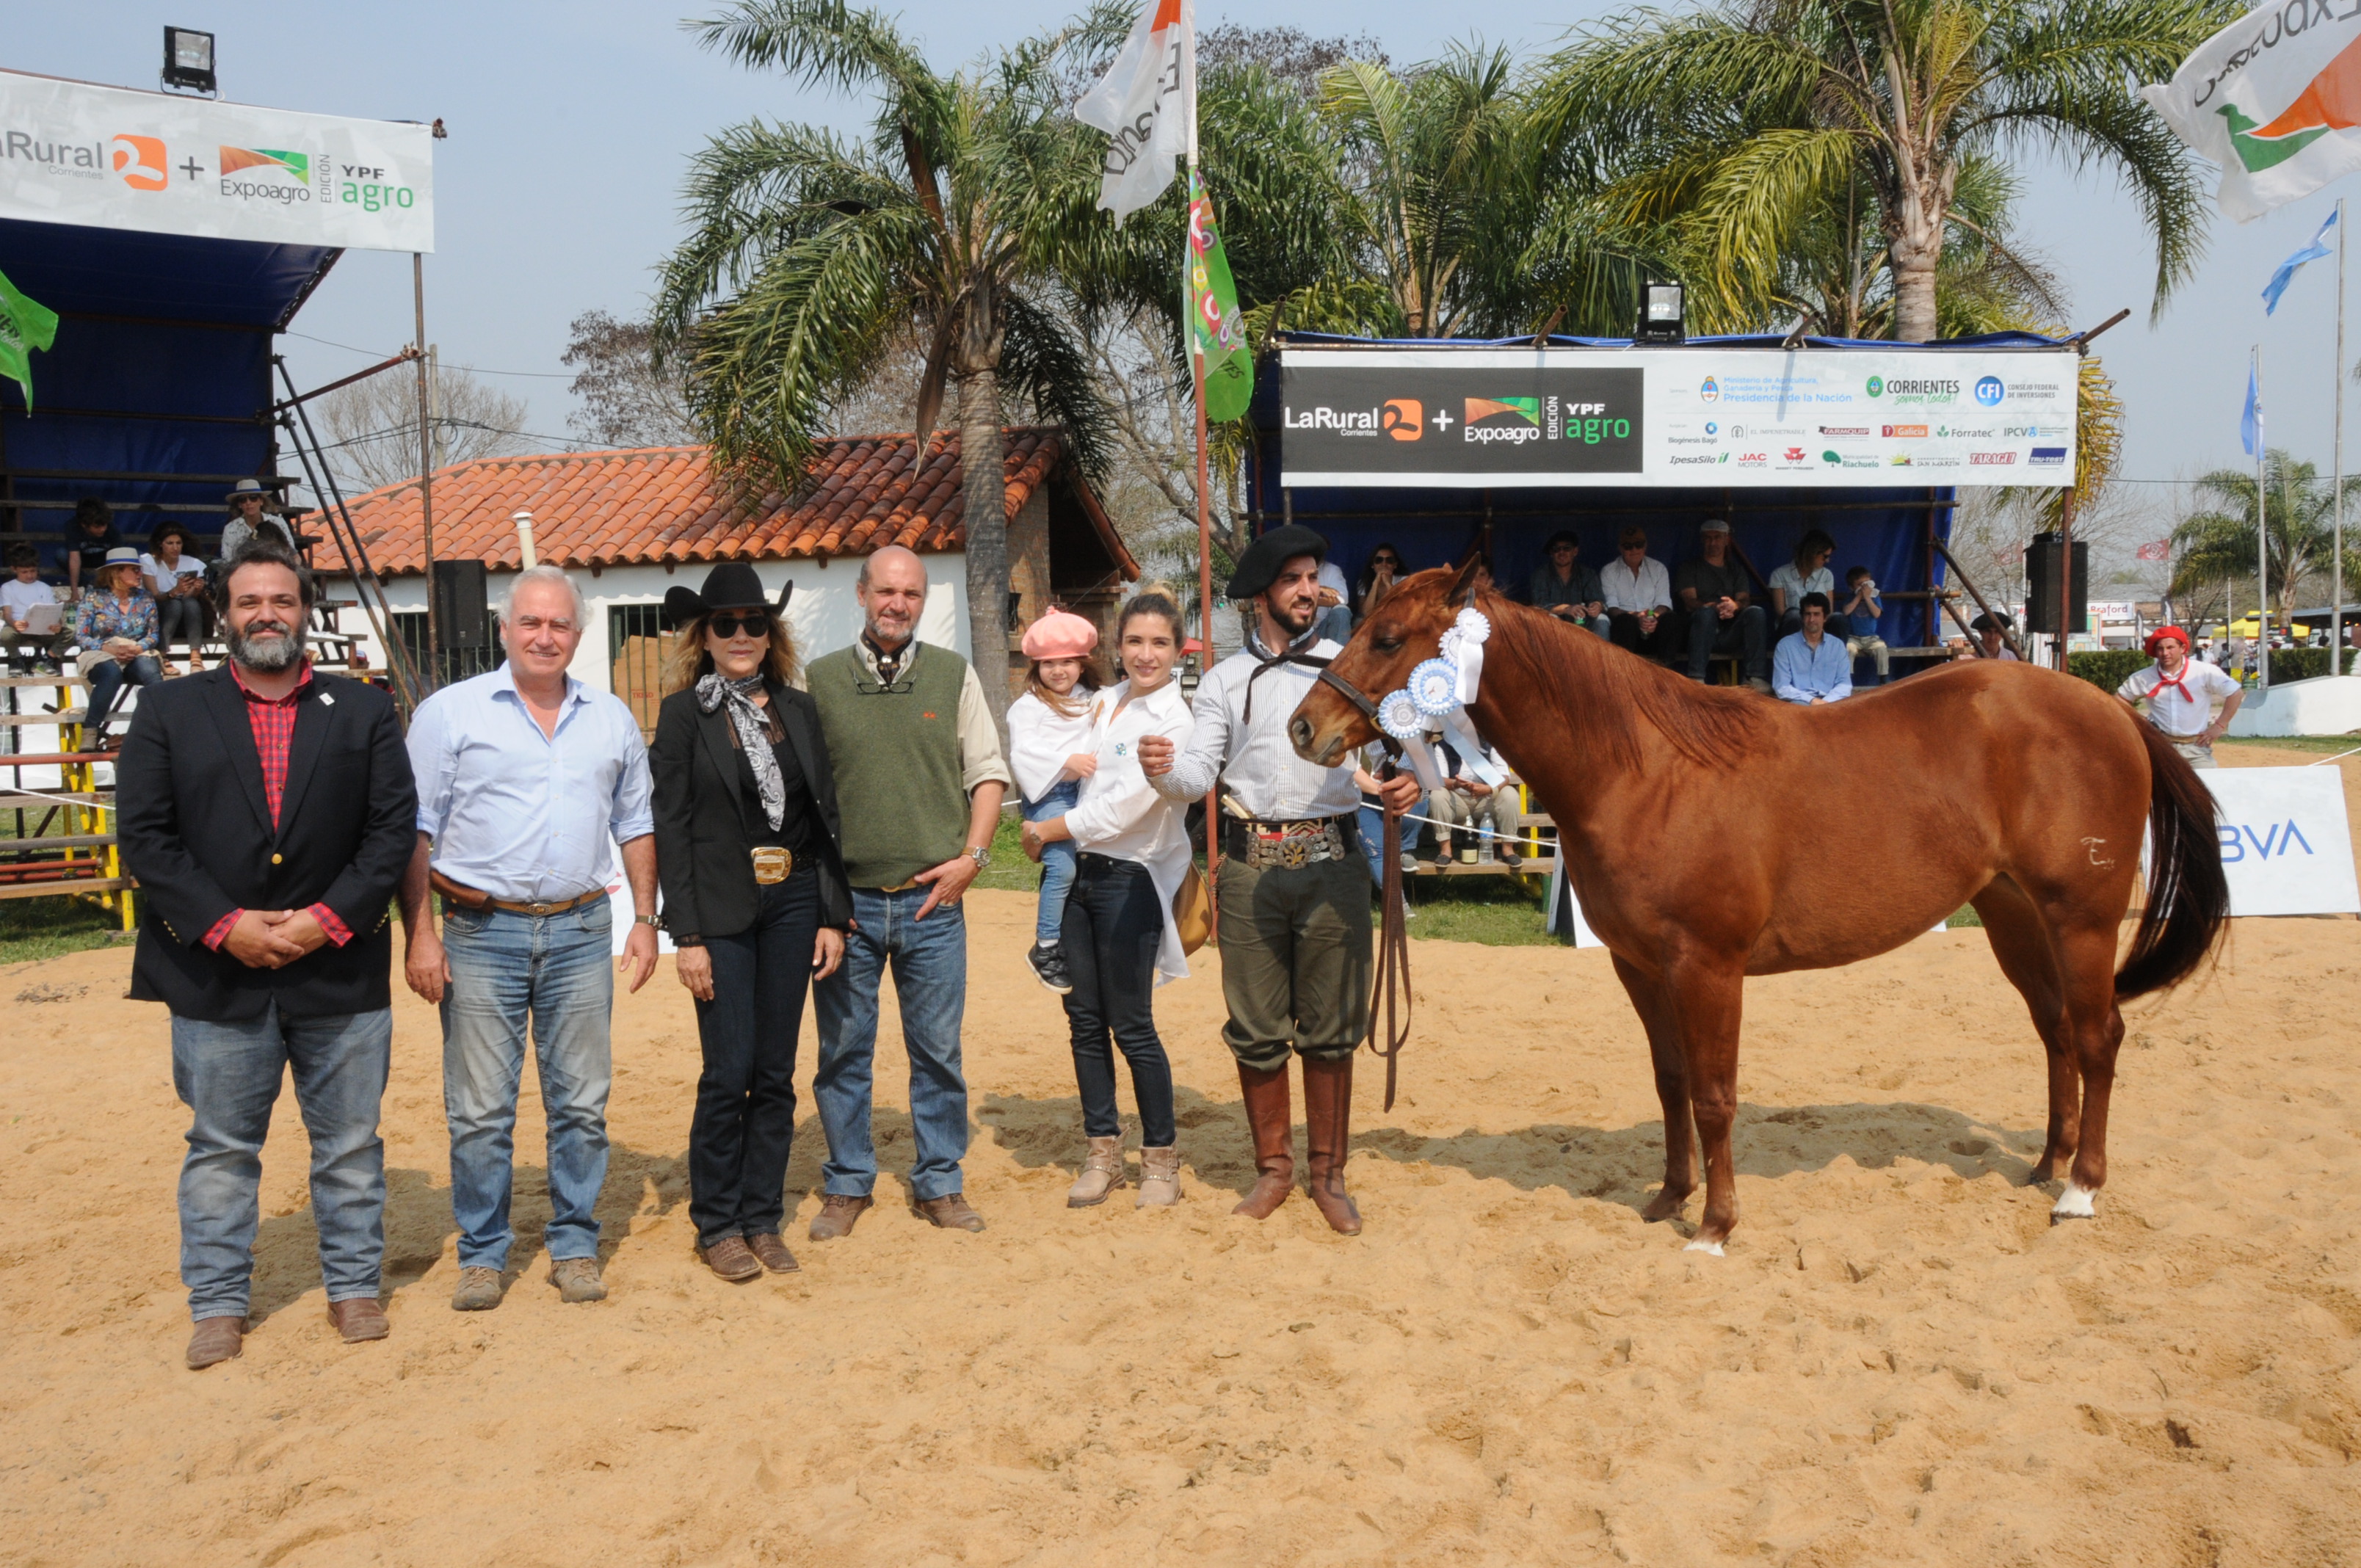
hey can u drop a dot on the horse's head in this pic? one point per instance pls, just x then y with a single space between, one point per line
1339 714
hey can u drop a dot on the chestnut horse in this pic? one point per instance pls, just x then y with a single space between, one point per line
1711 834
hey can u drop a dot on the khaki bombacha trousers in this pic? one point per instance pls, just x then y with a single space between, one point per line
1295 960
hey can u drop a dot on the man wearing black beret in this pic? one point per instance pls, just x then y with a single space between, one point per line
1293 894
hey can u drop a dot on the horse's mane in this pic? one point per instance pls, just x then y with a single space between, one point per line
1601 687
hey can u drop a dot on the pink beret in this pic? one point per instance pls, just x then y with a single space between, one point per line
1060 634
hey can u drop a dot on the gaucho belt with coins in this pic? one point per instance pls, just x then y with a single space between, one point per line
1287 845
772 864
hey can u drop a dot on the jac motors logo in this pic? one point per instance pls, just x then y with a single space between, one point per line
1906 430
1400 418
1990 459
1753 460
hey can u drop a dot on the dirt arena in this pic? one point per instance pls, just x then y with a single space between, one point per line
1899 1361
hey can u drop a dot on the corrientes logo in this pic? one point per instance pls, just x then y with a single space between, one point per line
1877 386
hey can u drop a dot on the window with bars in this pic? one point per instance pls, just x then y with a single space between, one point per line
459 663
636 639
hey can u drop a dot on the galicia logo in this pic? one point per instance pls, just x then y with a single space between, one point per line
1711 392
1989 392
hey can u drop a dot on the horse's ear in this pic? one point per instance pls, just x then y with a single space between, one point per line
1463 586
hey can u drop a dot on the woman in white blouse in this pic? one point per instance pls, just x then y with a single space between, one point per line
1119 939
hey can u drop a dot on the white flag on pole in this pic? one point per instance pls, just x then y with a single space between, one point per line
2275 99
1144 104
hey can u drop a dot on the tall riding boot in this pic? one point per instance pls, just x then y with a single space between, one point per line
1271 1117
1328 1130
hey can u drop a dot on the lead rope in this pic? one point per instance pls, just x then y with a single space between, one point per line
1392 984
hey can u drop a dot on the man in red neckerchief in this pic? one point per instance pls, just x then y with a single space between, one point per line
269 814
2180 692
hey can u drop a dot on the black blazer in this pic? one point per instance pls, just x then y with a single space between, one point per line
704 859
195 829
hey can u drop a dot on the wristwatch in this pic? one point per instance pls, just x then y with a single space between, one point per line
981 854
654 920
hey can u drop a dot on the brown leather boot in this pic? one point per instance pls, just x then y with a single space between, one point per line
1271 1116
1328 1131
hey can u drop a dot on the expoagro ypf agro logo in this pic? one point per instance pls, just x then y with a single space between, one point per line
266 174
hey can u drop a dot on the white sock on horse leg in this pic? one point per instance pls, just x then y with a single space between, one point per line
2074 1203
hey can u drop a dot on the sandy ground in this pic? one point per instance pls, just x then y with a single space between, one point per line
1900 1360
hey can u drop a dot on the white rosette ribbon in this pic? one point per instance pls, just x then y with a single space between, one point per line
1399 716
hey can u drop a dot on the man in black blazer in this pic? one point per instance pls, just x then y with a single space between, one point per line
267 813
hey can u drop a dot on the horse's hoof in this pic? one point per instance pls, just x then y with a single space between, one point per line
1701 1245
2074 1203
1665 1206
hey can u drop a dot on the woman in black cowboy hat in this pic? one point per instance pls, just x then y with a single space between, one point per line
754 897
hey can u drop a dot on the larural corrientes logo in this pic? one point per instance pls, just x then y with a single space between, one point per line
1420 419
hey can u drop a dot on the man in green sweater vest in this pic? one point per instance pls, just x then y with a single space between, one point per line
919 778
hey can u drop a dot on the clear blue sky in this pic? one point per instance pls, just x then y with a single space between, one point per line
570 125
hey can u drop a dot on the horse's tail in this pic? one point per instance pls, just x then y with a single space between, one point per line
2188 897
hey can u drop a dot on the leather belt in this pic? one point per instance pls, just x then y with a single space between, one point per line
1289 845
475 898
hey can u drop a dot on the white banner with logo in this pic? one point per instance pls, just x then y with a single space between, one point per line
110 158
2268 100
2286 846
1691 416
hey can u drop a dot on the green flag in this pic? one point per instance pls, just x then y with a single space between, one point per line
25 326
1218 335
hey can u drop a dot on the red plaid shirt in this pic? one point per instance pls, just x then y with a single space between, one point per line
273 721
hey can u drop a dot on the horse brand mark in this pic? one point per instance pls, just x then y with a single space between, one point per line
2092 845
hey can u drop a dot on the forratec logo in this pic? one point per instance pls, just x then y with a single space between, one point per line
2046 458
1710 391
286 176
1401 418
1990 459
1989 392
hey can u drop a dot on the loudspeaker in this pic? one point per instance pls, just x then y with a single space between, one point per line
461 604
2041 585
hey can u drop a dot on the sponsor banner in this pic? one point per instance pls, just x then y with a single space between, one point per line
112 158
2286 846
1675 417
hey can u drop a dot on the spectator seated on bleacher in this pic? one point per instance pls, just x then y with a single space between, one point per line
1638 593
1862 609
1812 665
1718 603
89 537
1465 807
177 579
1989 643
249 516
1806 573
37 631
1563 586
115 628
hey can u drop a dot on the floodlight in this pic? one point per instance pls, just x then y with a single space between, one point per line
188 59
1660 314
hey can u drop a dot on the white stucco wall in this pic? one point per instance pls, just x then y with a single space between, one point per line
823 612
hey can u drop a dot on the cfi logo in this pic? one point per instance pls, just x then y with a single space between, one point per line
1877 386
1400 418
140 161
1711 392
236 159
1989 392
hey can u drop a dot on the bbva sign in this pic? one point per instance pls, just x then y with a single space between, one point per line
2286 846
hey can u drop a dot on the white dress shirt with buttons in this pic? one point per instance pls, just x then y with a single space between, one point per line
1650 588
518 813
1255 760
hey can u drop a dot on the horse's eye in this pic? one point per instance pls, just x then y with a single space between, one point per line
1388 645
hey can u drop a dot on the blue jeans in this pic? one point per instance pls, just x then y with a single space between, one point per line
507 968
107 679
1113 926
229 1076
1057 860
1335 622
1372 823
929 962
1742 634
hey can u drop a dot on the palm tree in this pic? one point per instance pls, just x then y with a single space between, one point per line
2217 545
813 260
1749 123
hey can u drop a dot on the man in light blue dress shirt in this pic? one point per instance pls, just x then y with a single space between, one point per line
524 775
1810 666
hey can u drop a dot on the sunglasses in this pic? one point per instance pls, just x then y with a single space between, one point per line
754 623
